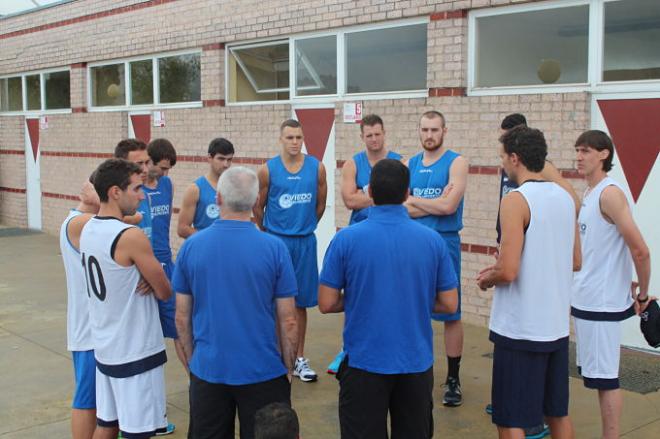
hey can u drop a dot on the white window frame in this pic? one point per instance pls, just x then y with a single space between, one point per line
128 106
341 94
42 111
594 84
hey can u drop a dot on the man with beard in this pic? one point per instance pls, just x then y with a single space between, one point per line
434 170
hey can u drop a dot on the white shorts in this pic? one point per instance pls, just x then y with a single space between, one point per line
136 404
598 348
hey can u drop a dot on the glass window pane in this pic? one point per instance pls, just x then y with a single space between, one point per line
180 78
632 40
533 48
11 94
108 85
33 91
316 66
142 82
259 73
58 90
386 60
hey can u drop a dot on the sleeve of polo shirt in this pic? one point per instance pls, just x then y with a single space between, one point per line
333 273
286 284
180 283
446 279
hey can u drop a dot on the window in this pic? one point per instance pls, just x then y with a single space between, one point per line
41 91
347 62
565 46
180 78
533 48
160 80
57 90
385 60
11 95
632 35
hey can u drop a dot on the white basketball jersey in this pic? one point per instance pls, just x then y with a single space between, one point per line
78 333
536 305
603 284
125 325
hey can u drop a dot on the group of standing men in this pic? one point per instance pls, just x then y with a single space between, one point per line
242 295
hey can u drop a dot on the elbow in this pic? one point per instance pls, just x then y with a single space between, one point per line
508 275
641 255
165 294
324 307
447 303
577 265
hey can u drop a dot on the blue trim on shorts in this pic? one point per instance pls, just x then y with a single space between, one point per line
143 435
107 424
599 383
303 255
134 367
603 316
453 241
527 345
84 370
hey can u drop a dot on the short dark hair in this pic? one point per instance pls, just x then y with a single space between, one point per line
113 172
220 145
276 421
599 141
528 144
370 120
433 114
127 145
513 120
389 182
291 123
161 149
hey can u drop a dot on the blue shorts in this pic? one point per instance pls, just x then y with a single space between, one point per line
84 370
453 241
167 308
303 255
529 385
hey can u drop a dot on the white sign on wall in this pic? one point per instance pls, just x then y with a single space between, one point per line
353 112
43 123
159 118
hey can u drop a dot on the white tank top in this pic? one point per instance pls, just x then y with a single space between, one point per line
78 333
536 305
125 325
603 284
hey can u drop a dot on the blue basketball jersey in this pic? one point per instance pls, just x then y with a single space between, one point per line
362 176
291 205
206 210
429 182
161 215
145 209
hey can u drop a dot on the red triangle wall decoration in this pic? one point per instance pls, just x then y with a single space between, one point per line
33 132
142 126
633 125
317 124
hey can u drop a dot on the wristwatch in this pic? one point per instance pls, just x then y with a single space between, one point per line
644 300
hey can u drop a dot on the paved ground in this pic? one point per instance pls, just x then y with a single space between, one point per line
36 376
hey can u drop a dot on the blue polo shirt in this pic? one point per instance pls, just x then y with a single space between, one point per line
390 268
145 209
234 273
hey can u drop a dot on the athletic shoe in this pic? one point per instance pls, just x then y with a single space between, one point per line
538 432
166 430
489 409
333 367
303 371
453 396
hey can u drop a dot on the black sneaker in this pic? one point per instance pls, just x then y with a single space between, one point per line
453 396
538 432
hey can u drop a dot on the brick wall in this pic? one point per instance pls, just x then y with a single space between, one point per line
86 31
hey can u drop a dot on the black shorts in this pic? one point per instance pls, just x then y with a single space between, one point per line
529 385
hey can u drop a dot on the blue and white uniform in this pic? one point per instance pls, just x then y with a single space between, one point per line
78 331
362 176
291 215
529 321
145 209
429 182
126 333
601 293
207 209
160 199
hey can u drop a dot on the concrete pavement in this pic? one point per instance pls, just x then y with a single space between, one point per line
36 376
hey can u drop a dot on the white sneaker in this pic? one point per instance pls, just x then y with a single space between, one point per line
302 370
